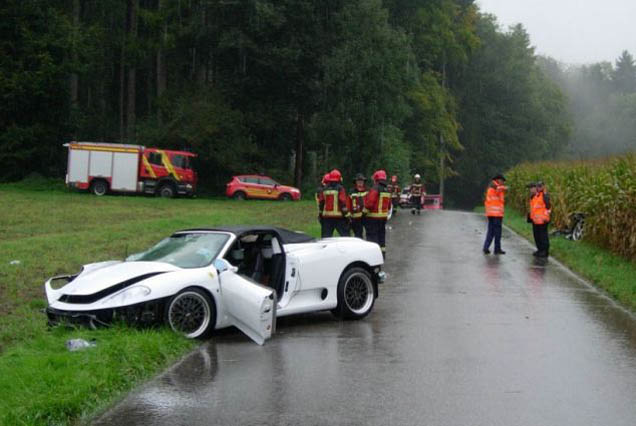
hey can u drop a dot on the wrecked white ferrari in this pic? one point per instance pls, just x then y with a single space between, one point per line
199 280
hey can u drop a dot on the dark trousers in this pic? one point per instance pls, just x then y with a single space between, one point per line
416 201
396 205
356 226
541 238
494 232
328 225
376 232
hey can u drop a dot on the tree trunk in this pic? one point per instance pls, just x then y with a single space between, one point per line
122 76
132 71
74 80
160 63
298 170
442 148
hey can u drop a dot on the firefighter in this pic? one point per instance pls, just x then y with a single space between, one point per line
494 204
540 209
395 190
417 191
323 184
377 202
332 205
356 202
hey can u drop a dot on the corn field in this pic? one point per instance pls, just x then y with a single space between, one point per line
605 190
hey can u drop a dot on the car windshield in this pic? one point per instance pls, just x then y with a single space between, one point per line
194 250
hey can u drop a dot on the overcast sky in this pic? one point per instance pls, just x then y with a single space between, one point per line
572 31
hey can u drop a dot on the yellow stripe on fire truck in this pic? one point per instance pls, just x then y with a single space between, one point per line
168 164
148 167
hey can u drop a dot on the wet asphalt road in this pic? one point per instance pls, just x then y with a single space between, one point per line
456 338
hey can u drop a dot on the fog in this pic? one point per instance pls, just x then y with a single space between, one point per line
572 31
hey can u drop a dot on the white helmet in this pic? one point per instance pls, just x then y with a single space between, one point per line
417 176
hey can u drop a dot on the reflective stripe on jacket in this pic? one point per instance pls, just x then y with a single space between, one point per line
394 189
539 213
416 189
357 202
494 202
333 202
378 202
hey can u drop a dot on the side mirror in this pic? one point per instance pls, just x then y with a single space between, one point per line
223 265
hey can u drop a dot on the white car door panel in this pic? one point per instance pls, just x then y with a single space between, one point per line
249 306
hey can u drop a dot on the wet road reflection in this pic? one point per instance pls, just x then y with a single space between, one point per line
456 338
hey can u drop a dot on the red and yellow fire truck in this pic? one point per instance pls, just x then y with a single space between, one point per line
102 167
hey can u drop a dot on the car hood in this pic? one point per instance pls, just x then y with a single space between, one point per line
98 277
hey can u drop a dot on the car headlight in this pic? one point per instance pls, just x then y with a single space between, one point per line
128 295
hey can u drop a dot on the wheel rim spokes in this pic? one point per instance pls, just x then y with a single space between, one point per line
189 314
358 293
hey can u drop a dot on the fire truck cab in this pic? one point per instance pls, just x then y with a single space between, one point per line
102 167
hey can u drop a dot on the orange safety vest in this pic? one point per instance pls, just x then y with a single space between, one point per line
381 209
331 208
539 214
494 203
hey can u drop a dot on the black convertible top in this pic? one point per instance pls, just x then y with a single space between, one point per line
285 235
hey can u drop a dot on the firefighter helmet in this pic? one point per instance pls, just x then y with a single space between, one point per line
325 179
417 176
335 176
394 178
379 175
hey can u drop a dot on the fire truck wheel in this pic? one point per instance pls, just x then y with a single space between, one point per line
166 191
99 187
239 195
285 197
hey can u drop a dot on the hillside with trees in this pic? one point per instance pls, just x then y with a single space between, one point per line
288 87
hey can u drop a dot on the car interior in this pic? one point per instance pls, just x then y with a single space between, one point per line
259 256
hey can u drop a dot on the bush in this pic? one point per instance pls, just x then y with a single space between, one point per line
605 190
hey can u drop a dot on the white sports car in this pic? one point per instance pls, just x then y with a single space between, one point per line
198 280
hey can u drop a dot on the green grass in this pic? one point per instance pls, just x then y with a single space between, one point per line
608 271
52 231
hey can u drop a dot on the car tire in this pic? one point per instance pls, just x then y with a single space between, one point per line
166 191
285 197
239 195
356 295
192 313
99 187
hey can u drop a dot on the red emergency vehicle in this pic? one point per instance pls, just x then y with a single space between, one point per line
102 167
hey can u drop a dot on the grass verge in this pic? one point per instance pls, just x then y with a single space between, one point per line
610 272
51 231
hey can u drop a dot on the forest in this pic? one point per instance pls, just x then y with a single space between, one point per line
294 88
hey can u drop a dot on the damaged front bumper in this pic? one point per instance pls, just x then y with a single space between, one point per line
145 314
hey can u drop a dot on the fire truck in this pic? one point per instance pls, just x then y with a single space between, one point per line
108 167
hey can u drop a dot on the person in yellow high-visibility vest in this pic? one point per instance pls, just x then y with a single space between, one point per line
356 200
332 204
378 203
323 184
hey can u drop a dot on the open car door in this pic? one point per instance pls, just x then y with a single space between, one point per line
251 307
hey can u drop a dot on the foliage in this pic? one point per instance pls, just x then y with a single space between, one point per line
404 85
509 111
602 102
605 190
